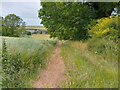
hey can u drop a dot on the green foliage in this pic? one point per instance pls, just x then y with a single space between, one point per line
28 33
104 41
102 9
21 63
12 25
105 27
66 20
4 55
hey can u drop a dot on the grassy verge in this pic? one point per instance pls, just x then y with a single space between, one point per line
23 58
86 69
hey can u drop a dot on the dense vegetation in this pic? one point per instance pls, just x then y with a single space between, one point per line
90 63
21 65
94 63
104 27
12 25
69 21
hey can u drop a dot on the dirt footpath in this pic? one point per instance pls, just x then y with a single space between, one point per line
54 74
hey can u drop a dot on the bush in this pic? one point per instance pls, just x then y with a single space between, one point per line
105 27
28 33
104 37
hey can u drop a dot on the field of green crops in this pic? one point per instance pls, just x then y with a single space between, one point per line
23 58
35 27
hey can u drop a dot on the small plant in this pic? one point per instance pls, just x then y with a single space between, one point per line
5 64
4 50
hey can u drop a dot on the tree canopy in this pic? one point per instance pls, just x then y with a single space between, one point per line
102 9
68 20
11 25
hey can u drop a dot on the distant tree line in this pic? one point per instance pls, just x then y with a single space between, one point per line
69 21
12 25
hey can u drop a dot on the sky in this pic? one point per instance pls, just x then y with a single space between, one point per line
26 9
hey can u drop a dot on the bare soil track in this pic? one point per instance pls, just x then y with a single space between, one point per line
54 74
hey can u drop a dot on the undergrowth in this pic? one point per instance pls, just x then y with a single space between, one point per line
23 59
92 64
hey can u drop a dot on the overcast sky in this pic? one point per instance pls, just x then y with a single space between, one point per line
28 10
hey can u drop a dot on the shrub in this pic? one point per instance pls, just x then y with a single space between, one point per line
28 33
104 37
105 27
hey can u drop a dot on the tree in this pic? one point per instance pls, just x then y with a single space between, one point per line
12 25
102 9
66 20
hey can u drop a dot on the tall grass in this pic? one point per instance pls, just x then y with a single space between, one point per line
94 62
87 68
24 59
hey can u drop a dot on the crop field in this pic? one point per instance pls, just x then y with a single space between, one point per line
35 27
42 37
23 58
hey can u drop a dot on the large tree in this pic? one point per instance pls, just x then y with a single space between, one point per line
102 9
66 20
12 25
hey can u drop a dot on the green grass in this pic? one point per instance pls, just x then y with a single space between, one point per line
86 69
25 58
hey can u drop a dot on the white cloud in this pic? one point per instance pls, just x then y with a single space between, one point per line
20 0
27 10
